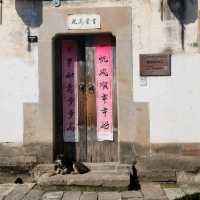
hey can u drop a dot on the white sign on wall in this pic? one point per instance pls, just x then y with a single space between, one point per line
83 21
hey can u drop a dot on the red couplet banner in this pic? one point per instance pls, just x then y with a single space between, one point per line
70 91
103 75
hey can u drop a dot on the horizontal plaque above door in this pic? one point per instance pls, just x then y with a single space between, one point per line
83 21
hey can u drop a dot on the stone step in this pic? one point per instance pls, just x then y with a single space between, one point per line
109 166
98 168
91 179
157 175
110 172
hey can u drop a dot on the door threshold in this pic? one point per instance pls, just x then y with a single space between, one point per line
109 167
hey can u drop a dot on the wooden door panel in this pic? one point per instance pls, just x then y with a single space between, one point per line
90 98
73 71
100 151
82 146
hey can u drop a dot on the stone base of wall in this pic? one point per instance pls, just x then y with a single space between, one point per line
165 162
182 149
165 167
163 156
182 156
24 156
162 165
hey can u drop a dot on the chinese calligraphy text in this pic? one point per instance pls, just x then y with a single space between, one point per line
69 84
104 69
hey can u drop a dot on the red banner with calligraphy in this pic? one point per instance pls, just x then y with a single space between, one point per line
70 91
104 71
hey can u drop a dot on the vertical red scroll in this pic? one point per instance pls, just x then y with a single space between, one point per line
70 91
103 75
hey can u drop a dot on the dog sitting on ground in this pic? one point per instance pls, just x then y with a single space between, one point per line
63 167
60 166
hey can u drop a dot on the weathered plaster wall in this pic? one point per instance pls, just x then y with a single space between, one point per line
173 102
19 75
153 35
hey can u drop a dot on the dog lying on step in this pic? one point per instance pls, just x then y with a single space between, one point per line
62 167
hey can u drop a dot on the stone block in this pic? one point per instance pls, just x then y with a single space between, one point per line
102 166
109 167
157 175
173 193
19 191
41 169
190 149
48 180
116 181
168 162
109 196
22 160
89 179
133 199
152 191
71 196
132 194
85 180
52 195
190 189
5 189
89 196
34 194
186 178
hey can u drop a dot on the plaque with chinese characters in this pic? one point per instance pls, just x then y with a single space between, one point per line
83 21
155 65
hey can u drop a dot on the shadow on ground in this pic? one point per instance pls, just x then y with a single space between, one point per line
195 196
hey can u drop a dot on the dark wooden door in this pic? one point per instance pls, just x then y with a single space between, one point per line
89 99
73 100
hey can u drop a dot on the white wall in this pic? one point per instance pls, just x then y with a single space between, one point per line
174 110
18 75
174 102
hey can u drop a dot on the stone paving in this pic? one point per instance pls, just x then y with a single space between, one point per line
149 191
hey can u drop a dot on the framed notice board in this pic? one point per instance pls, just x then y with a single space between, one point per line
155 65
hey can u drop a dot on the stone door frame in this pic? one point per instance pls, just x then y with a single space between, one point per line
114 20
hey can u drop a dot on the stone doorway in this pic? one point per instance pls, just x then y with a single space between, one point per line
85 98
119 25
